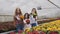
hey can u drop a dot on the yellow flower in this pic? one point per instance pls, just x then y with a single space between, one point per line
58 28
52 26
22 16
37 29
34 28
49 28
27 29
43 29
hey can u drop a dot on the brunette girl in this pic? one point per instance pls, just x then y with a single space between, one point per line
27 21
33 17
18 19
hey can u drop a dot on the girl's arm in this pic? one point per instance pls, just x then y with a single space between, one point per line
36 17
24 21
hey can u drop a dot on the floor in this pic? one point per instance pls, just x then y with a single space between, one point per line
7 32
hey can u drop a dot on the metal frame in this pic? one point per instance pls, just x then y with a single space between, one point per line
54 4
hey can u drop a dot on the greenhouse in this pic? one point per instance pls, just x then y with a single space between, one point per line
29 16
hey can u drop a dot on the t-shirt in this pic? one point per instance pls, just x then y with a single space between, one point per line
32 20
27 26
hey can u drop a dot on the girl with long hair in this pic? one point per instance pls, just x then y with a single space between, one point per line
33 17
18 18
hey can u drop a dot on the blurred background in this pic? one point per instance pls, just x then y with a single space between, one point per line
45 8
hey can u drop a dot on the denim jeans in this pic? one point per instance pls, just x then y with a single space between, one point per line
19 27
33 24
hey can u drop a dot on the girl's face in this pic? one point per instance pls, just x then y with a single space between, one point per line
33 10
18 10
26 16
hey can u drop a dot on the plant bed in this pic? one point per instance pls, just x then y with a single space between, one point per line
52 32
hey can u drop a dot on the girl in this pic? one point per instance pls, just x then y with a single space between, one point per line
33 17
27 21
34 13
18 19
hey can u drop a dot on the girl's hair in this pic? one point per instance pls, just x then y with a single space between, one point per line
35 10
16 11
27 16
